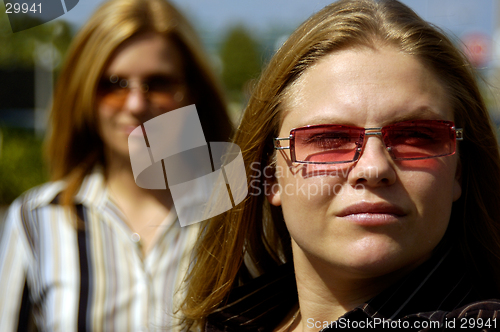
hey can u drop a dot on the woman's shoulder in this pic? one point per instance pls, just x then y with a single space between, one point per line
40 195
33 199
259 304
48 193
23 215
480 309
484 314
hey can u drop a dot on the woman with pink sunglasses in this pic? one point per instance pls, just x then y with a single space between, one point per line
373 173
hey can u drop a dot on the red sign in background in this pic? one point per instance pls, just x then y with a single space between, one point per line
477 47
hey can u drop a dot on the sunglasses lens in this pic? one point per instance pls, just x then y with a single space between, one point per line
111 93
161 91
408 140
326 144
165 90
423 139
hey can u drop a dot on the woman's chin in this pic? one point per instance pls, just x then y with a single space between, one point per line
363 261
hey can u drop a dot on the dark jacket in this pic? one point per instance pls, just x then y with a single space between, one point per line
439 294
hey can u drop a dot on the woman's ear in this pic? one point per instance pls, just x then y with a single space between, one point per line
272 189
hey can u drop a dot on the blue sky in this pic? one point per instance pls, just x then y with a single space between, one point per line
271 21
212 18
216 15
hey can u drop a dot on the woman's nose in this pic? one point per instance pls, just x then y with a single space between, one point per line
137 99
375 166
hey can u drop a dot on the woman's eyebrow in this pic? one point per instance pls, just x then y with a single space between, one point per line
421 113
324 120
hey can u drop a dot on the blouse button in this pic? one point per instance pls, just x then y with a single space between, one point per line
135 237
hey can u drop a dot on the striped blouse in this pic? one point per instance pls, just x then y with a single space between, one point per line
94 278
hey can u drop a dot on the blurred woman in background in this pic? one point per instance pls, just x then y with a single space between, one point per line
365 204
90 250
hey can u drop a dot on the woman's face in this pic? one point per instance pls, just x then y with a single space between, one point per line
377 215
150 67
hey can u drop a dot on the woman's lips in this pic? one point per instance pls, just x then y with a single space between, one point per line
128 129
372 214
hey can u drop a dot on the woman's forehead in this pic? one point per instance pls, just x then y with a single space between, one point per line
146 54
366 87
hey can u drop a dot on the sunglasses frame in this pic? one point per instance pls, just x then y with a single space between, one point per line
377 131
123 85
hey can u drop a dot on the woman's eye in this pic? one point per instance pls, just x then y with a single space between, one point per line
161 84
106 86
328 141
413 138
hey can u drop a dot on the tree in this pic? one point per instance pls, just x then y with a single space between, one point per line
17 49
240 58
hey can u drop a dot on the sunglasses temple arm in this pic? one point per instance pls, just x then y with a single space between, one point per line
459 134
277 145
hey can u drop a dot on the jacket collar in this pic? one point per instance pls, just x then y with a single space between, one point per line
440 284
93 191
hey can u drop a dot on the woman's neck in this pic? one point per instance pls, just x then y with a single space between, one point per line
120 179
326 292
144 209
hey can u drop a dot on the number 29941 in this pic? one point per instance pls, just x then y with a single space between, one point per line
22 8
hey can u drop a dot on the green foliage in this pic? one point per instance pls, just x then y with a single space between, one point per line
240 58
18 49
21 163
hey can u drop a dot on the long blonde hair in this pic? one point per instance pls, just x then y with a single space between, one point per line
74 146
255 232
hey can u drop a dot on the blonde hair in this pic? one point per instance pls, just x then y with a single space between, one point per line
74 146
254 231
